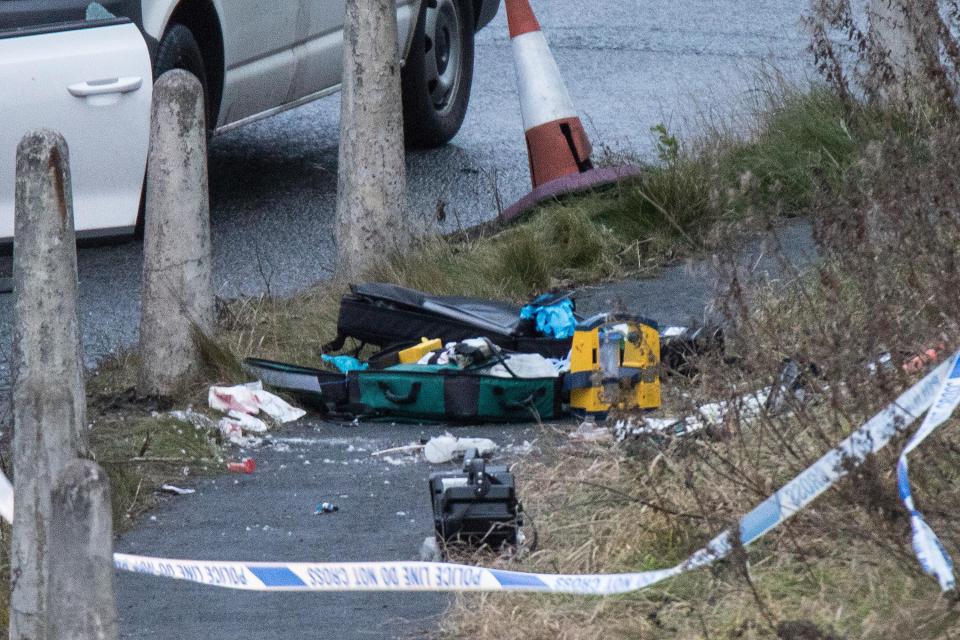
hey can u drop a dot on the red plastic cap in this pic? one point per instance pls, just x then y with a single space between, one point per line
520 18
248 465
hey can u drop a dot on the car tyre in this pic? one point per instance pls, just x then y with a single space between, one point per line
436 78
178 49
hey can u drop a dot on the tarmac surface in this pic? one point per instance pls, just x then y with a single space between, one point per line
384 513
628 65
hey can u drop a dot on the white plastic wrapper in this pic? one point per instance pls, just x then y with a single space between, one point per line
251 399
6 499
448 447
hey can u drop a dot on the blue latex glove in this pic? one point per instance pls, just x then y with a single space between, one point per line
556 320
345 364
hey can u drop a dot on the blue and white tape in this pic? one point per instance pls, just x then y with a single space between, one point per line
930 552
875 434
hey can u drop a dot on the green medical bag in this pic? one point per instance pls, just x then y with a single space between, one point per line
441 392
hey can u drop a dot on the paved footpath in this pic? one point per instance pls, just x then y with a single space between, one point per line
384 512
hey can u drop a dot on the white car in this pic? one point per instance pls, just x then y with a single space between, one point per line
87 69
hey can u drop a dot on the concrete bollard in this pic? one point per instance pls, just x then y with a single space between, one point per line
81 597
177 289
905 31
372 185
49 402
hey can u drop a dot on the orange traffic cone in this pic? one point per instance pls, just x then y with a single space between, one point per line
557 145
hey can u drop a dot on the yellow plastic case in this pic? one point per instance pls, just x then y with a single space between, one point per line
635 384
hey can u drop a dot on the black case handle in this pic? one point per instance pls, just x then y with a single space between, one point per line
388 393
526 403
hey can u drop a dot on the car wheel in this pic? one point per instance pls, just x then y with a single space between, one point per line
438 73
178 49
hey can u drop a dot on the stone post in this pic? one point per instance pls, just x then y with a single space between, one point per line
177 288
49 402
371 186
905 39
81 597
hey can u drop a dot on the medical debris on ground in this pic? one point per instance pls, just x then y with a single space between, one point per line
468 360
461 360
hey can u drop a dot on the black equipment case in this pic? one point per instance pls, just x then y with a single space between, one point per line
477 506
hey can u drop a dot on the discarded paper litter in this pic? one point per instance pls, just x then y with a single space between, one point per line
251 399
448 447
441 449
169 488
242 403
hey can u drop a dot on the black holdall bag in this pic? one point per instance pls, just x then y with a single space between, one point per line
385 315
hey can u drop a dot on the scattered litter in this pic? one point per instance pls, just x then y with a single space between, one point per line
747 408
169 488
430 550
402 514
920 361
232 432
409 448
396 462
6 498
771 401
325 507
248 422
448 447
198 420
523 449
251 399
153 518
588 431
247 465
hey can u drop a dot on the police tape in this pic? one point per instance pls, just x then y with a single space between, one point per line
874 435
931 553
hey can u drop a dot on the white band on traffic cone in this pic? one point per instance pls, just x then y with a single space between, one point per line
543 95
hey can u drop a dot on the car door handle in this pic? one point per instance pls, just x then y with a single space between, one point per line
108 85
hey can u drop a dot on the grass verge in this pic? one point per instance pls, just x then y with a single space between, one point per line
842 568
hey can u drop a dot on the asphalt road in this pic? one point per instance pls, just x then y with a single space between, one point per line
628 65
